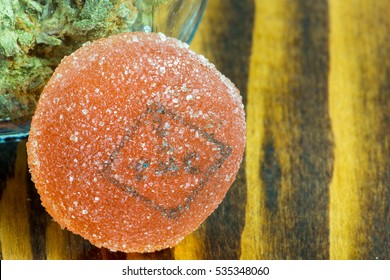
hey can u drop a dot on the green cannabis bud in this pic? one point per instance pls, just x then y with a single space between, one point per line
36 34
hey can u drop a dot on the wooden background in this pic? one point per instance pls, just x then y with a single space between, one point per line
315 181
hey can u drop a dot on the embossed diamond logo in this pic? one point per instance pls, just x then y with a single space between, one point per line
169 164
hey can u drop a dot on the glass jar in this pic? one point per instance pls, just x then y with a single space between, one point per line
36 34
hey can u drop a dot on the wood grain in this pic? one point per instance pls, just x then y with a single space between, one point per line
359 87
14 230
289 148
315 179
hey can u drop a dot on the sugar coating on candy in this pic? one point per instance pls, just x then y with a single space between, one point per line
135 141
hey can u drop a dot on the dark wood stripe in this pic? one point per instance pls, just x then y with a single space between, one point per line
379 202
375 224
271 175
233 35
7 163
297 148
313 167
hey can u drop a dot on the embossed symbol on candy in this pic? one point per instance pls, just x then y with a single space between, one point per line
165 160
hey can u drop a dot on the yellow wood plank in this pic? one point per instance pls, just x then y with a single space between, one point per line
192 247
14 215
57 246
359 71
269 74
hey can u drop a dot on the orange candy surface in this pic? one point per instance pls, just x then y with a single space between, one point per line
135 141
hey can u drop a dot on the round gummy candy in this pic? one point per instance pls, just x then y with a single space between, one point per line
135 141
